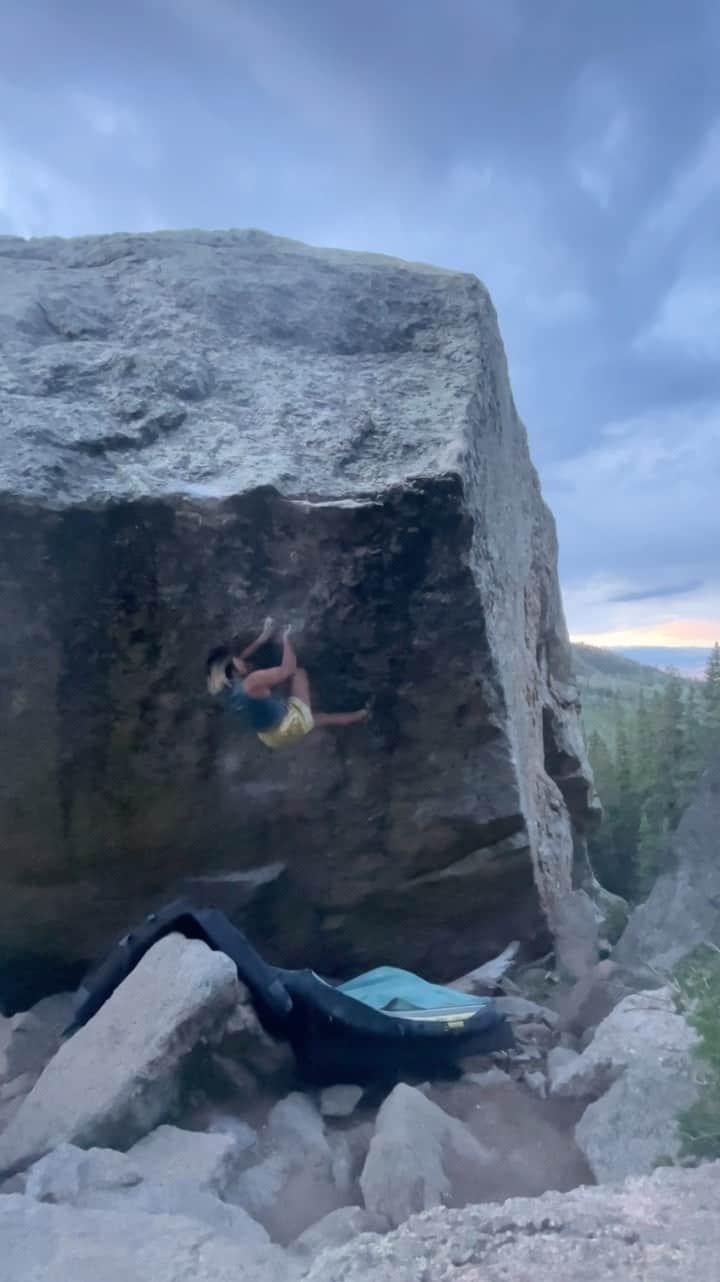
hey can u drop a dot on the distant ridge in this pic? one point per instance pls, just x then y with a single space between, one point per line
689 661
593 661
606 676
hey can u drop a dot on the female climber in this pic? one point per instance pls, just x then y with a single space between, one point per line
254 693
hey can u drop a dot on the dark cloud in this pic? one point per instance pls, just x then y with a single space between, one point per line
573 165
655 594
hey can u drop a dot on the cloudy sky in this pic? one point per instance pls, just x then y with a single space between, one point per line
566 151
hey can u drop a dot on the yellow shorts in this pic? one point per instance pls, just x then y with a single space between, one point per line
297 722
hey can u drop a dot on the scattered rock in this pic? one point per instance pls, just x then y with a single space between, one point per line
642 1029
300 1176
519 1009
591 999
295 1125
119 1075
102 1179
68 1173
226 1124
246 1043
492 1077
180 1199
575 927
537 1083
527 1051
640 1071
559 1059
536 1034
418 1157
337 1228
173 1156
32 1037
45 1243
340 1101
658 1229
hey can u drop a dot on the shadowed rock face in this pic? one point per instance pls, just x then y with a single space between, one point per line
200 429
682 911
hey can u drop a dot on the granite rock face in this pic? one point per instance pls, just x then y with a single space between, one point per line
682 911
201 429
57 1243
655 1229
641 1073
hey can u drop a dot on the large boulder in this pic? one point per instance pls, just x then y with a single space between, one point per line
336 1228
31 1037
104 1180
120 1074
654 1229
67 1173
682 911
199 429
70 1244
172 1155
420 1157
641 1073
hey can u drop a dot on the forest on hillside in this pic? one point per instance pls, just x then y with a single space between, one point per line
647 754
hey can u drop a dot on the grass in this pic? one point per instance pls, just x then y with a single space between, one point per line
698 990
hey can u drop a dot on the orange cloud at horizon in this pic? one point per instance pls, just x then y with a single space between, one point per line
674 632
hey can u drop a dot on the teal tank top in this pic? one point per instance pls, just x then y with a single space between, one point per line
261 714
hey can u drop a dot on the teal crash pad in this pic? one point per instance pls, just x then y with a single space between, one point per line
387 988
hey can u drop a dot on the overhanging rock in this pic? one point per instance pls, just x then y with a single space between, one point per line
200 429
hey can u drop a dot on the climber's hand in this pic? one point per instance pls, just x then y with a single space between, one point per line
268 627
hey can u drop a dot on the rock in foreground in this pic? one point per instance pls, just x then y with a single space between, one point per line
119 1075
640 1071
199 429
663 1228
682 911
419 1157
67 1244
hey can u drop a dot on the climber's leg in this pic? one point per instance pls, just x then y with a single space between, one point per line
300 689
300 686
340 718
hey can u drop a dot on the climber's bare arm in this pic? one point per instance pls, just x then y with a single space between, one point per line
267 630
259 684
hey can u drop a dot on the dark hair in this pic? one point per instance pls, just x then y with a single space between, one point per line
221 654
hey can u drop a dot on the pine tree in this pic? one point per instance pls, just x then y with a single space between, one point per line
694 753
603 768
601 842
711 701
648 856
644 750
671 746
626 821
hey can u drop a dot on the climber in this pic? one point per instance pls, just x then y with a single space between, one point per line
251 691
